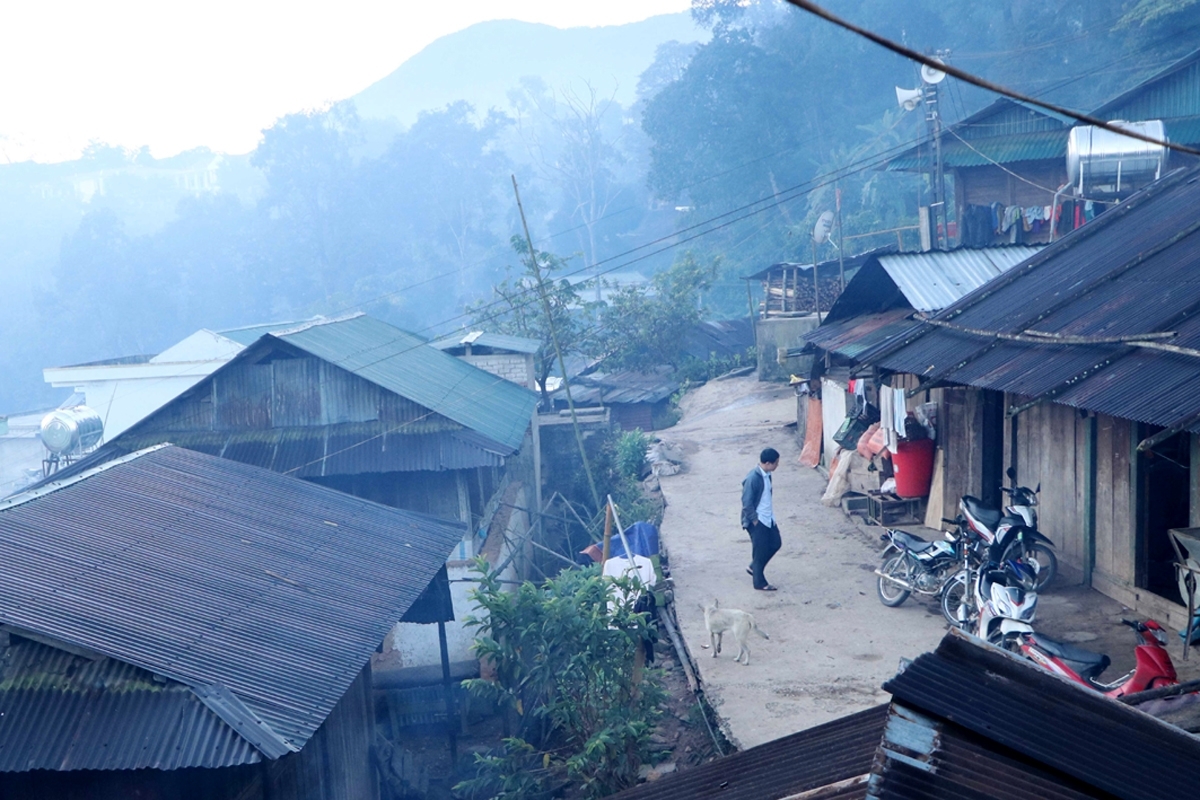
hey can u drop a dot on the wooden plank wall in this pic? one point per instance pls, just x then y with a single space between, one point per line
1051 450
335 764
959 429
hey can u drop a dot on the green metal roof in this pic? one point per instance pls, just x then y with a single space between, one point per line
1183 130
404 363
1171 92
1035 146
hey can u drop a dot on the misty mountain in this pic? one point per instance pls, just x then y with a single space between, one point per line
483 62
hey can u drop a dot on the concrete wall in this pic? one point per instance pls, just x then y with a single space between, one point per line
772 333
417 645
515 367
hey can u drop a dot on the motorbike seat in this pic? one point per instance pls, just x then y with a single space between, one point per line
975 507
1090 664
910 542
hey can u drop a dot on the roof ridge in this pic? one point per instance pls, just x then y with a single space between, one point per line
314 322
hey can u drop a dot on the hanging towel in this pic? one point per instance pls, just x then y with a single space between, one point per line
900 410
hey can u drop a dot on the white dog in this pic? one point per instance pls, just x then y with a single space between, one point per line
719 621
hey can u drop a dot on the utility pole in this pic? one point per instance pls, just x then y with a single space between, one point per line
562 365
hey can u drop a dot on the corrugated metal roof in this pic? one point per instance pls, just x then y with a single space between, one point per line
214 573
622 387
495 341
933 280
1007 149
60 711
1171 92
923 756
403 363
1048 720
1130 271
853 337
818 757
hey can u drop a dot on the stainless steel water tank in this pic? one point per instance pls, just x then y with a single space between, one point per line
1100 161
69 430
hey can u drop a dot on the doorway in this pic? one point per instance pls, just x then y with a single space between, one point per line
1165 480
991 446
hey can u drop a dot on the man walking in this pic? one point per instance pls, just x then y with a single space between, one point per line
758 517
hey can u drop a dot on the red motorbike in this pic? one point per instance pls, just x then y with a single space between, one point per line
1154 667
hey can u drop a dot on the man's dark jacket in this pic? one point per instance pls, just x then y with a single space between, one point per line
752 489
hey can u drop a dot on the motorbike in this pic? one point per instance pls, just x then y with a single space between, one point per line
1153 669
992 600
912 564
1016 524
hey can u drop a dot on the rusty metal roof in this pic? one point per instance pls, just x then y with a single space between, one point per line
1051 734
852 337
1129 272
263 593
838 752
627 386
405 364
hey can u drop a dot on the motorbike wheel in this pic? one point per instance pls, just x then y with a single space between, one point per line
891 594
1039 552
958 603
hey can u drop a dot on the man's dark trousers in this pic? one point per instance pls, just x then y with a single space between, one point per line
764 544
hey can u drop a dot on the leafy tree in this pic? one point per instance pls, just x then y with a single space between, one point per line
517 309
564 658
643 328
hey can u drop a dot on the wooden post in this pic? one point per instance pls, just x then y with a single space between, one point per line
608 519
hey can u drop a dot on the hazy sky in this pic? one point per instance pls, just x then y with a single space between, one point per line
175 75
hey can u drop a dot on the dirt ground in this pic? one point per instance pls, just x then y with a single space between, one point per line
832 642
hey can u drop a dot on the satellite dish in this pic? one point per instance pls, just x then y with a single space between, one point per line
932 74
908 99
823 227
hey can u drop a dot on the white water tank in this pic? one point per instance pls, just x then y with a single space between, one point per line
71 430
1101 161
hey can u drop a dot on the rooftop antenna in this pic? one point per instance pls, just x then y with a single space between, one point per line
909 99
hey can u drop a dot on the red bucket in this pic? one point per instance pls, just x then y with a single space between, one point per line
913 464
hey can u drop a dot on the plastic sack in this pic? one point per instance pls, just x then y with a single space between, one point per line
839 482
873 442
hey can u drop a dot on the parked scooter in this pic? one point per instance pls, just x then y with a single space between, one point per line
911 564
1017 524
993 601
1154 666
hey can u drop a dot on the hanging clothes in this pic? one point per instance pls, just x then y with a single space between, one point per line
899 409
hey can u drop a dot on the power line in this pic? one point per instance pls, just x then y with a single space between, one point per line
975 80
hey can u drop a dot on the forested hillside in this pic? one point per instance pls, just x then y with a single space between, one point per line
333 212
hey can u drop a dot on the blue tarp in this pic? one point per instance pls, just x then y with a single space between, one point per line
643 541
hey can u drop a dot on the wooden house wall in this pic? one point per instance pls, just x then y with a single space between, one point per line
1051 450
634 415
288 392
335 764
959 422
982 186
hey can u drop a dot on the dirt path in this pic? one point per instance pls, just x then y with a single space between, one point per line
832 643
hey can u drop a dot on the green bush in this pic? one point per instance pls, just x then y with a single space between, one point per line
631 453
563 653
